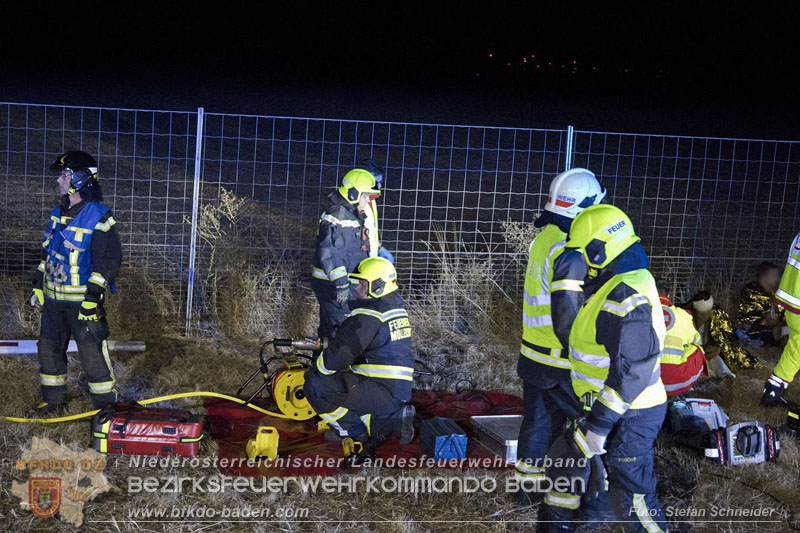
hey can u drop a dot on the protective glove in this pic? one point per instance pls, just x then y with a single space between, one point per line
386 254
580 459
590 443
37 299
89 311
342 294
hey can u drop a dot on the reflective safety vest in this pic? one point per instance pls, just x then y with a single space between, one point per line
537 320
681 339
371 223
590 360
788 294
68 266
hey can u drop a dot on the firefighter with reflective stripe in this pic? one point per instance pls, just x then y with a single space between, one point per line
682 360
615 348
342 243
553 295
361 383
81 255
788 297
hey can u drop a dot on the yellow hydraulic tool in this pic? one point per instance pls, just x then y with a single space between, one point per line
353 451
285 384
287 390
265 444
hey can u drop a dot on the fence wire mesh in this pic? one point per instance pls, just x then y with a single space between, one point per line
144 159
707 209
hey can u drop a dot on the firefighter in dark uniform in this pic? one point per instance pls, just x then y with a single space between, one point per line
81 256
361 383
342 243
553 295
615 346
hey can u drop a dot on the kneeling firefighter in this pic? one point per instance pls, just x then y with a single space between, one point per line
615 346
361 383
682 360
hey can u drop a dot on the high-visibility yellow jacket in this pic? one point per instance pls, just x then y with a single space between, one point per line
615 347
682 339
550 273
788 294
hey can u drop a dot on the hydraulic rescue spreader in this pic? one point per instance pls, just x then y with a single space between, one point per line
284 382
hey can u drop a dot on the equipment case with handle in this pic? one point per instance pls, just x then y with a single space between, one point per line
133 429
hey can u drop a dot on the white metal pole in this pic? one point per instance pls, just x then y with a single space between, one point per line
198 160
568 162
31 346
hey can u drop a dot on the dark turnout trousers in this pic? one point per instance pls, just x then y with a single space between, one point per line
59 324
631 477
331 313
354 405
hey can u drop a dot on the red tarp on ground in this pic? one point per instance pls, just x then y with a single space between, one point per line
232 425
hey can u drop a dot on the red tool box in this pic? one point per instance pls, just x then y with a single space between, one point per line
133 429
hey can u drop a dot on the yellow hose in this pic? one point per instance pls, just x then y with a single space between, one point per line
87 414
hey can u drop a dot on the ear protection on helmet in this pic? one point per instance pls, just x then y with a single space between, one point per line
353 194
377 286
82 178
596 251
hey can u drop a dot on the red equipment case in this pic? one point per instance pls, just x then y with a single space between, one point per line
132 429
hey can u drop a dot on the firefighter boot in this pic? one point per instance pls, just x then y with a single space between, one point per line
47 410
406 430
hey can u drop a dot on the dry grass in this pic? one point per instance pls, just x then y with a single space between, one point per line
16 318
260 303
248 290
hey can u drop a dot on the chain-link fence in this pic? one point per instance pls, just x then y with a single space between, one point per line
464 181
708 210
146 160
705 208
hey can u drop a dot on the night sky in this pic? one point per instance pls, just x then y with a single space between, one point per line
667 67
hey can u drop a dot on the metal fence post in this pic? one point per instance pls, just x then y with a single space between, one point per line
568 162
198 160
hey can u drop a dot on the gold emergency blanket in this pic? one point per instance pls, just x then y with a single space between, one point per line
721 333
755 305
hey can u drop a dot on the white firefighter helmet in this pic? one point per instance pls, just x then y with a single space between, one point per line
573 191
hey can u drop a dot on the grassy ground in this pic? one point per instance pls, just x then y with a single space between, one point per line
481 345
